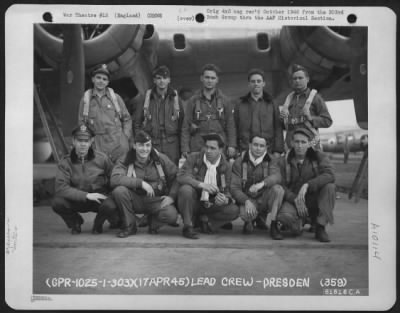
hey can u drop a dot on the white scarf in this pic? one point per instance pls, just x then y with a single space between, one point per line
258 160
211 176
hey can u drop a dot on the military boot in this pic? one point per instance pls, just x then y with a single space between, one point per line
313 225
275 232
143 221
320 234
126 231
153 225
248 228
188 232
205 226
260 223
98 224
76 225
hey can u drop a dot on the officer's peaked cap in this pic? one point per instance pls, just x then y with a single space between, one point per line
83 131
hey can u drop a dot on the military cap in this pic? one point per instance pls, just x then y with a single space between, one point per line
142 137
296 67
162 71
101 69
304 131
216 137
83 131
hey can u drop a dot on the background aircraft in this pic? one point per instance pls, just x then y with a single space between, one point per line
356 140
66 53
344 130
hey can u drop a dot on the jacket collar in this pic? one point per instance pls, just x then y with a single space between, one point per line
217 94
74 157
246 157
266 97
170 92
311 154
305 92
107 93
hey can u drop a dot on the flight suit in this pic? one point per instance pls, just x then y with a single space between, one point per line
203 116
131 199
76 178
270 195
162 123
190 175
258 117
318 110
113 133
318 172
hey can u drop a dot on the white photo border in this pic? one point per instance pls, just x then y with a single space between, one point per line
381 23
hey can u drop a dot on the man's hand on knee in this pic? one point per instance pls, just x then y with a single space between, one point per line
301 207
302 192
97 197
250 209
166 200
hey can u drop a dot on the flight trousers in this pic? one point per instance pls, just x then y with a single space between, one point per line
191 208
269 201
129 203
69 210
320 207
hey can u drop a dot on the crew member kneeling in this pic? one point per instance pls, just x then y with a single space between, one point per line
144 182
309 186
82 184
204 192
255 179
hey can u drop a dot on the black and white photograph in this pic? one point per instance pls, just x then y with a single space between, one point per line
177 157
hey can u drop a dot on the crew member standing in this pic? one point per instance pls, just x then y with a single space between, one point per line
161 115
106 113
304 107
208 111
255 113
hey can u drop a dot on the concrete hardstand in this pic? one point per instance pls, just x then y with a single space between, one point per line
224 263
